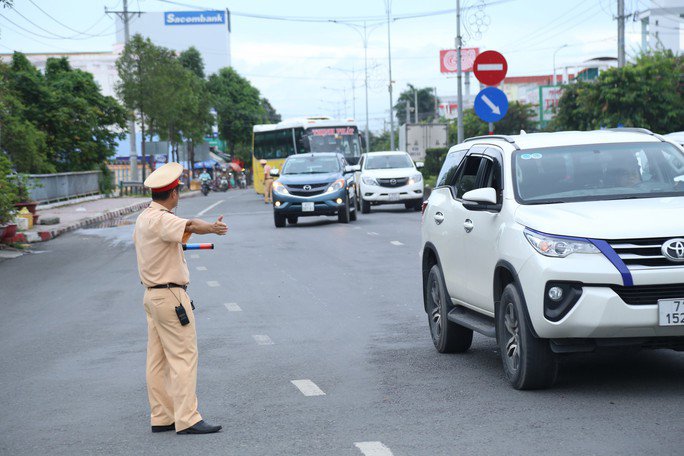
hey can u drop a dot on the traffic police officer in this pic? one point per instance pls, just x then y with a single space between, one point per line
172 340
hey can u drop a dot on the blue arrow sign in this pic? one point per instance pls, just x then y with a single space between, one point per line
491 104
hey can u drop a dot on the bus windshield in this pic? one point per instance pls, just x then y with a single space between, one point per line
343 140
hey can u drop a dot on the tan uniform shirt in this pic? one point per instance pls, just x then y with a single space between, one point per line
158 236
267 172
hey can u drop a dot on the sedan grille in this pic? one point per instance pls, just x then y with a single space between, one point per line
643 253
642 295
393 182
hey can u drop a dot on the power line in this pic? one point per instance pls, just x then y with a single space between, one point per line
66 26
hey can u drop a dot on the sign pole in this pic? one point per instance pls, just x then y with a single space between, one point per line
458 71
491 128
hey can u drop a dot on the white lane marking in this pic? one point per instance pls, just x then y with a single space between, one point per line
194 256
373 449
372 233
396 243
262 339
232 307
308 388
204 211
201 268
213 283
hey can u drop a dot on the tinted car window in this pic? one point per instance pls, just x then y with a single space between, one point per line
311 165
449 168
467 179
388 161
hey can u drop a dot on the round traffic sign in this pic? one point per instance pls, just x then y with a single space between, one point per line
490 68
491 104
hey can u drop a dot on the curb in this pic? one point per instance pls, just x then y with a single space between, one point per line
42 236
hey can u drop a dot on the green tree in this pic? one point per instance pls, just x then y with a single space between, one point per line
270 114
82 125
238 106
645 94
141 68
192 60
520 116
381 141
426 104
8 190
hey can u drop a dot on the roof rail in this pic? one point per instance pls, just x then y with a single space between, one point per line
644 131
506 138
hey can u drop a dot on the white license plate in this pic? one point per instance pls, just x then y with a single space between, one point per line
308 207
671 312
394 196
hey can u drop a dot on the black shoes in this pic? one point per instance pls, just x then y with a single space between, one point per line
200 428
168 427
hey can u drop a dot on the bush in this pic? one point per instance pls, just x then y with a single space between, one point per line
106 180
433 160
8 190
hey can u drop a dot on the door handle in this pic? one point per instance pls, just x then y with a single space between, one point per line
468 225
439 218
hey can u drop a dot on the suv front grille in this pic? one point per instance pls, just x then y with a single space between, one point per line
394 182
642 295
643 253
312 189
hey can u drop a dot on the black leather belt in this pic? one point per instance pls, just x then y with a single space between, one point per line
170 285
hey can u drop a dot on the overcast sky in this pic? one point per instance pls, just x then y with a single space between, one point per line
306 68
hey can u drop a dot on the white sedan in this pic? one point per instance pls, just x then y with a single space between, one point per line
389 178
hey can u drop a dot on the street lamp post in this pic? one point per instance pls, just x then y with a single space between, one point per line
388 4
554 63
364 37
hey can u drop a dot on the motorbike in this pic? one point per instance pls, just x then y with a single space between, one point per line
242 181
205 188
223 184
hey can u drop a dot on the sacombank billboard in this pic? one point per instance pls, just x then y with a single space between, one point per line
194 17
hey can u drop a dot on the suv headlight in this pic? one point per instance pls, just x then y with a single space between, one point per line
279 188
558 247
338 184
415 179
368 180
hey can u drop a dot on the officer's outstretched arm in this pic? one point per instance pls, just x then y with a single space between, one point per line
198 226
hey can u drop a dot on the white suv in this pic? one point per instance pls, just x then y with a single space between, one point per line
556 243
389 178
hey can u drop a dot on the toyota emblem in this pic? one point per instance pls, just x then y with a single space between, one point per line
393 181
674 250
307 187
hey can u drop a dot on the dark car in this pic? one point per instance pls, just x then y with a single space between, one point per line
314 184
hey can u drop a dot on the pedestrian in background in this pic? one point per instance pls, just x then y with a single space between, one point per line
171 336
268 181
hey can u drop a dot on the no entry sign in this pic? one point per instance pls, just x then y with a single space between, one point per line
490 68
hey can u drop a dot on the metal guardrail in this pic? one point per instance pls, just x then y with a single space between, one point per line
46 188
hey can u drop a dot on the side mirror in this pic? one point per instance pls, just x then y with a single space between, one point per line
480 196
275 172
419 165
351 168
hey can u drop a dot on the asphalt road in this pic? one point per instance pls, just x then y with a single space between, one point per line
337 305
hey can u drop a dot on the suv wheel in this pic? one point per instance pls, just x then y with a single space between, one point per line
352 215
528 361
365 206
447 336
343 213
279 220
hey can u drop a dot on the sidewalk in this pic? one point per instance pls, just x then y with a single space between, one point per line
80 214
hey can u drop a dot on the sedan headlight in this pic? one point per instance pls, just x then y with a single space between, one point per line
558 247
415 179
369 180
279 188
338 184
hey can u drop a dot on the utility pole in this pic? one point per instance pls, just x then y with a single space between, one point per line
388 4
459 43
415 104
408 111
124 16
365 81
621 33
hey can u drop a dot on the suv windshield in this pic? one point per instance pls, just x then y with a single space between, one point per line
311 165
388 161
599 172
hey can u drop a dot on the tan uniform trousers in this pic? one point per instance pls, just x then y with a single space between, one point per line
171 360
268 190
